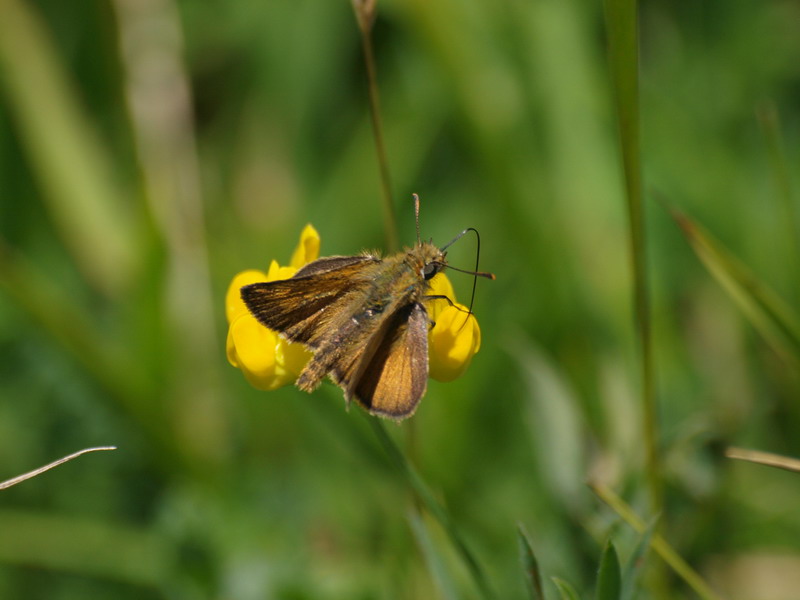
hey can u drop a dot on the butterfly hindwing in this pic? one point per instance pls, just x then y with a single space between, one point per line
390 375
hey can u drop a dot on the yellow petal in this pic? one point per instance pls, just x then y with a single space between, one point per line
440 286
452 342
267 361
308 248
234 306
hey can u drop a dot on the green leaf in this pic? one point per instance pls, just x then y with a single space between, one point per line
565 590
609 576
433 558
73 168
768 313
533 577
632 570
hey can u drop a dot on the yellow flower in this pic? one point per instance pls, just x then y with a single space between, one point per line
455 337
267 360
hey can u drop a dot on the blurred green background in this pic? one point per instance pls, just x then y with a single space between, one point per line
151 150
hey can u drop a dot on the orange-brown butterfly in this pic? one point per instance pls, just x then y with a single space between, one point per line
363 318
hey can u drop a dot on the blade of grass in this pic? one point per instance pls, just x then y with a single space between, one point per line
622 26
768 118
609 575
764 458
565 590
159 99
31 474
657 543
434 560
73 169
630 575
428 500
533 577
769 314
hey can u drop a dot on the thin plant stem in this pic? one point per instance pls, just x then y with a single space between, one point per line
31 474
621 19
365 15
764 458
657 543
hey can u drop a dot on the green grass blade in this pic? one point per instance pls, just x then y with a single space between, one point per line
623 51
657 543
609 576
434 560
565 590
533 577
430 503
769 314
72 167
632 570
769 120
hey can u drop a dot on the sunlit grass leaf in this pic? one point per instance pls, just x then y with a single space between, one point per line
433 558
769 314
533 577
609 576
565 590
632 570
72 167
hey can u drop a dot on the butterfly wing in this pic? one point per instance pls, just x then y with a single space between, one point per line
299 308
391 374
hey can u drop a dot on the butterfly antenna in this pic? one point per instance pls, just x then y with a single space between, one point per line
474 273
475 277
416 216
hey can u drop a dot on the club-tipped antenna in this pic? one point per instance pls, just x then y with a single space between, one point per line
474 273
484 274
416 215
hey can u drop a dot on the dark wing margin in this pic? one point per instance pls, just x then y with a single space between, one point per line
333 263
300 307
395 376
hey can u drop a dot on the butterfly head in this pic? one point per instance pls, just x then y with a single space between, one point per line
427 260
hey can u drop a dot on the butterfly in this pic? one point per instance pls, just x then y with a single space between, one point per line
364 319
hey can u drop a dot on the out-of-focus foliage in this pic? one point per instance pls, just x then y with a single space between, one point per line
151 150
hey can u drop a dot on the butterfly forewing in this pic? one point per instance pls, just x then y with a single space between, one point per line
301 307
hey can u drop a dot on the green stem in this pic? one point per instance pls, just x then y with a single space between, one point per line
621 20
365 18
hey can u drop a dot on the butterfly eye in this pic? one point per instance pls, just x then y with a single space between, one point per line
430 270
